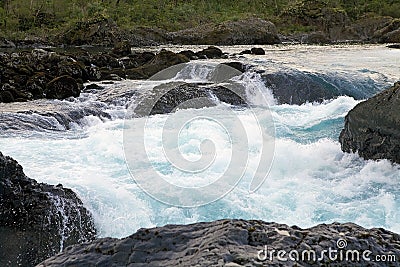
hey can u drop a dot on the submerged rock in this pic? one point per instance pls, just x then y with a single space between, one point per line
37 220
233 243
372 128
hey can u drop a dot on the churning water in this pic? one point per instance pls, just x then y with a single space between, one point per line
311 180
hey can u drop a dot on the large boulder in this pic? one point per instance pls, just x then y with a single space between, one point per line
390 33
317 15
96 31
237 243
62 87
171 96
159 62
296 88
372 128
210 52
37 220
122 49
243 32
315 38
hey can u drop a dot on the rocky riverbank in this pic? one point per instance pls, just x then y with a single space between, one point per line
235 243
372 127
46 74
323 26
37 220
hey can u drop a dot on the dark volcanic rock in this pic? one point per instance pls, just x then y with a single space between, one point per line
257 51
96 31
390 33
28 75
37 220
245 52
169 97
318 16
62 87
237 65
315 38
372 128
231 243
298 88
189 54
249 31
122 49
159 62
210 52
394 46
6 97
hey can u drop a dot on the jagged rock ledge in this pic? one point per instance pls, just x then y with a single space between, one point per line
372 128
37 220
231 243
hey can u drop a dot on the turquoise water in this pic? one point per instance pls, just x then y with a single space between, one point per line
311 180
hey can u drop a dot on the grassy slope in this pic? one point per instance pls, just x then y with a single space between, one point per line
20 18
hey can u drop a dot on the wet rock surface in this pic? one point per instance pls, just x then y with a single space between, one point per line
372 127
37 220
168 98
231 243
296 87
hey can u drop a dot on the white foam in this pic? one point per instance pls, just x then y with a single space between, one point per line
308 183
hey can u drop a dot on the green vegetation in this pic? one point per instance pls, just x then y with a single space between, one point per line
19 18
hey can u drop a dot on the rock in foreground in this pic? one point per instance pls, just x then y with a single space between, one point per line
37 220
372 128
229 243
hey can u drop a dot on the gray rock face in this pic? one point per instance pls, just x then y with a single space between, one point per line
249 31
230 243
37 220
372 128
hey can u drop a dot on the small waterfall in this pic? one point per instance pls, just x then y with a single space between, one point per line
256 92
196 72
67 218
61 218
